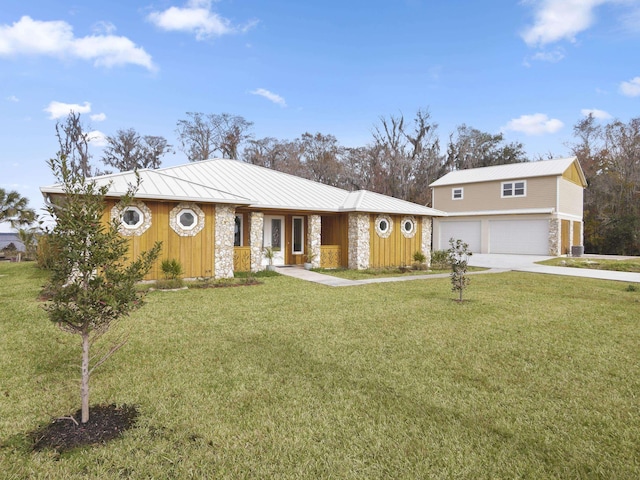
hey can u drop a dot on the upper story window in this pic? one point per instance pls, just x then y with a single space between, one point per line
457 193
514 189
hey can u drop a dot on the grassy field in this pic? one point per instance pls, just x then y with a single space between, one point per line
528 379
386 272
624 265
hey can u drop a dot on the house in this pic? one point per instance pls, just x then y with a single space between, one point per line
7 240
218 216
522 208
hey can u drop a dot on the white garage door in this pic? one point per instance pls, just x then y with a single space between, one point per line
519 236
468 232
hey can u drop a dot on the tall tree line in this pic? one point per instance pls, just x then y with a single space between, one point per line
402 158
610 157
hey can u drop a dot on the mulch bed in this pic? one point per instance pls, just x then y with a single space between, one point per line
106 422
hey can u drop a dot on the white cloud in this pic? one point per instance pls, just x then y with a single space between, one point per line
56 39
553 57
274 97
536 124
196 17
560 19
13 98
631 88
595 113
98 117
60 109
97 138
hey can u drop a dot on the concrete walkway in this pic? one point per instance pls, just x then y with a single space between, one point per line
494 263
527 263
331 281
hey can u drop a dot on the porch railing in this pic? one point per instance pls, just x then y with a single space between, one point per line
241 259
330 256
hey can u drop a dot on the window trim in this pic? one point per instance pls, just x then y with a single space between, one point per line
512 189
386 233
132 208
293 235
191 230
414 227
453 193
193 214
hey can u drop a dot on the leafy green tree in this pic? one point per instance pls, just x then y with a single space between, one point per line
92 284
14 209
459 254
29 237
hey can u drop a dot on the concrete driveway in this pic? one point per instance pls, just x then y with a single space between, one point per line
527 263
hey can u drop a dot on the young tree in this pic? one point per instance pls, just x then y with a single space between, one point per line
128 150
92 283
14 209
458 255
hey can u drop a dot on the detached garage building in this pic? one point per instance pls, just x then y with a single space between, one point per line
523 208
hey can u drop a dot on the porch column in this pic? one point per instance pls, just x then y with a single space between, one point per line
554 236
359 244
314 239
224 233
256 227
426 239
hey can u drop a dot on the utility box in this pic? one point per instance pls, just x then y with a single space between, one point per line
577 250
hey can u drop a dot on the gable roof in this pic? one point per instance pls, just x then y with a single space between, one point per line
8 238
513 171
239 183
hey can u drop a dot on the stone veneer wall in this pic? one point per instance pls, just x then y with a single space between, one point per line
359 246
224 233
255 240
426 239
314 239
554 236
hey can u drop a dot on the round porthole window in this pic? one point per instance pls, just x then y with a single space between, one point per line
408 227
186 219
384 226
132 217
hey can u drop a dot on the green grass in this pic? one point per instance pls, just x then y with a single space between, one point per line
287 379
384 272
596 263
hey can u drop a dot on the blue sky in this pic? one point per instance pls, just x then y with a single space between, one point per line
530 69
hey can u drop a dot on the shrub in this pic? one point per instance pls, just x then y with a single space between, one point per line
440 259
46 254
171 268
419 257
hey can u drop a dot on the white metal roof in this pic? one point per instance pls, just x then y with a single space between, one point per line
513 171
239 183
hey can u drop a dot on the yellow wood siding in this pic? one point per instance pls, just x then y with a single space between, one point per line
541 193
571 174
564 238
195 254
335 231
396 250
577 238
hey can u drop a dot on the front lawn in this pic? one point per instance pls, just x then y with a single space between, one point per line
385 272
623 265
288 379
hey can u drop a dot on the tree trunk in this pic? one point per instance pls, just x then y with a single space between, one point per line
84 387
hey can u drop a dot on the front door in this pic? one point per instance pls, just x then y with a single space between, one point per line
274 238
